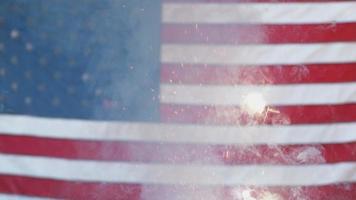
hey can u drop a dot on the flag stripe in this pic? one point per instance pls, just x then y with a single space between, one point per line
61 189
177 133
298 56
337 93
84 190
177 153
266 34
274 74
282 115
122 172
18 197
277 13
260 54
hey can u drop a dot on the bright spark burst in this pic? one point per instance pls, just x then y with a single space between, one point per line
254 103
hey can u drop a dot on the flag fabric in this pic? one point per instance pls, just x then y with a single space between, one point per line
178 99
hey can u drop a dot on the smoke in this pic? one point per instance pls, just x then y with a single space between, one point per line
136 77
181 193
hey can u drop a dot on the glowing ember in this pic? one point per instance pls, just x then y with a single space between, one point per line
250 194
253 103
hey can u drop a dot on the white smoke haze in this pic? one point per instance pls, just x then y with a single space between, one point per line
255 103
182 193
126 88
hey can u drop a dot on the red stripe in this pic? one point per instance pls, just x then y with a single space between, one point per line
230 115
175 153
67 189
278 74
30 186
251 34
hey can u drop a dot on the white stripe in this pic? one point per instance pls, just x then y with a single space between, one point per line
260 54
276 13
18 197
293 94
90 130
122 172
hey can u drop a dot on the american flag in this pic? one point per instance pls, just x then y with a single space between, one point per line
178 99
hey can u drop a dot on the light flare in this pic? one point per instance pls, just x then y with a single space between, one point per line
253 103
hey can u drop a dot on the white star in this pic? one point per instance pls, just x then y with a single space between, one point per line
14 60
41 87
2 46
85 77
98 92
56 101
14 86
2 71
28 100
29 46
14 34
